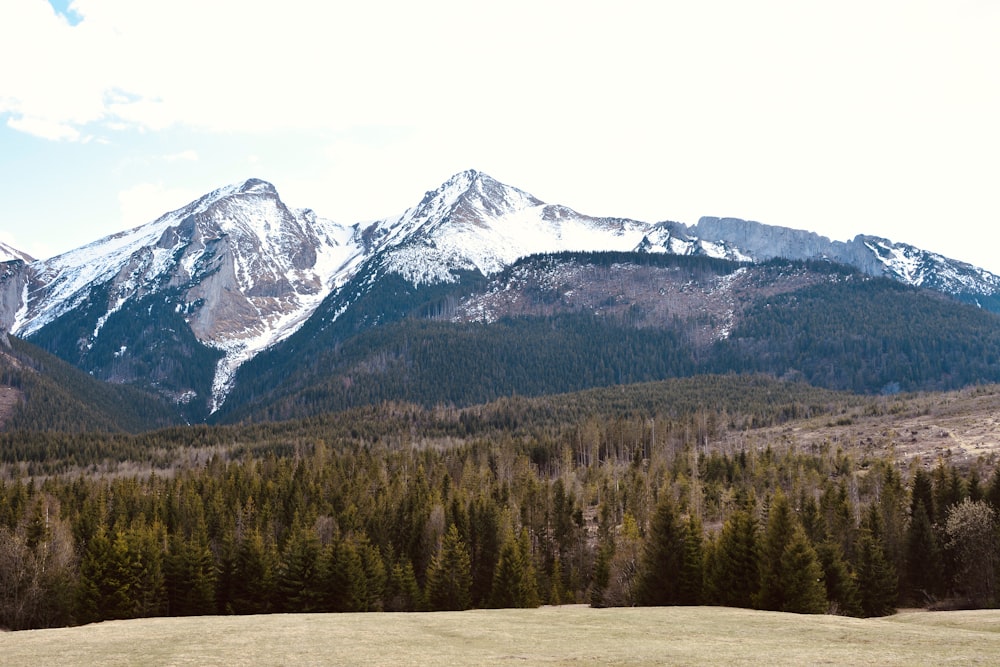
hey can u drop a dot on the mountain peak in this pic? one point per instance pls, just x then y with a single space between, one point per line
256 186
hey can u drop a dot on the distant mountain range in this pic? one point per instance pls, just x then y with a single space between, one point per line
238 307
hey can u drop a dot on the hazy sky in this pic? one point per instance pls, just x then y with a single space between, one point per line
838 117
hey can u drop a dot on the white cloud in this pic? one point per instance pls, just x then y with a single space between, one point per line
46 129
843 118
720 71
183 156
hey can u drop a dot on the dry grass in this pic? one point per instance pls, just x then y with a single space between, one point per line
551 636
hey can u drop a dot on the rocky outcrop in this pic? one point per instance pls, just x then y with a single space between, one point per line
13 281
764 242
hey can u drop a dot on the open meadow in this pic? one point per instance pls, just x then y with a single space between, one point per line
575 635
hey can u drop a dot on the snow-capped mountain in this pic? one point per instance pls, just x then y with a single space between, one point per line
872 255
239 267
473 222
179 304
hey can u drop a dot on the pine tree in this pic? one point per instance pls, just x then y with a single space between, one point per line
402 591
733 576
924 574
602 574
297 581
662 557
99 596
692 574
485 543
375 576
449 575
877 581
557 591
777 536
342 576
802 577
993 490
514 583
528 590
922 494
253 578
841 583
190 574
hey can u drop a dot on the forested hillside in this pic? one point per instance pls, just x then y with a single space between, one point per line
655 494
48 394
568 322
164 357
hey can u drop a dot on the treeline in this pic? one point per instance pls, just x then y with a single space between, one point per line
634 510
730 401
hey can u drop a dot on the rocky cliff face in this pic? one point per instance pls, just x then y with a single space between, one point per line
237 267
872 255
763 242
13 293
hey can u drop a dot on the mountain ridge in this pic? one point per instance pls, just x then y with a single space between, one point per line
237 272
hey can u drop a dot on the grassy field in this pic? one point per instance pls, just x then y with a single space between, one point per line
574 635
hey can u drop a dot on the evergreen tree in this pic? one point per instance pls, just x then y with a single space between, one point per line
922 494
602 574
190 574
253 577
993 491
777 536
663 557
402 591
733 577
297 581
375 576
344 583
802 577
877 581
514 582
99 596
924 575
557 591
484 531
122 577
692 574
841 583
449 576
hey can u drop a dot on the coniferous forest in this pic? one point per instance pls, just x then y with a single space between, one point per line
656 494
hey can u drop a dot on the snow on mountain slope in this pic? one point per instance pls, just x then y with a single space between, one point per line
244 269
872 255
9 254
922 268
475 222
245 272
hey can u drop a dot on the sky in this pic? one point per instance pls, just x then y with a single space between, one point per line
876 117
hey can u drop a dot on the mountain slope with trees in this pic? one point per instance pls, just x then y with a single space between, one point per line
49 394
561 323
